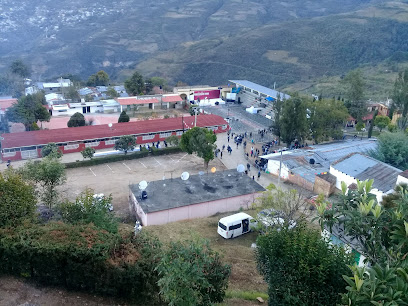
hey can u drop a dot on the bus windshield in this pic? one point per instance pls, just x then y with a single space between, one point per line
222 226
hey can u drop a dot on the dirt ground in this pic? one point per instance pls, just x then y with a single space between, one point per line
114 178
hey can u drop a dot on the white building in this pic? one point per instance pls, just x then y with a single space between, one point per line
357 166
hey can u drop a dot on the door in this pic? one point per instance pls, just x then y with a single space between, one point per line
245 225
84 110
88 109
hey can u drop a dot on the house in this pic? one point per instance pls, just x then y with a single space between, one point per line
51 87
150 102
200 196
357 166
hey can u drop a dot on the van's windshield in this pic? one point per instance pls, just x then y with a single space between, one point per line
222 226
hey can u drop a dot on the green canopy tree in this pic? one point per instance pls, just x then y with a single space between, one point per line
88 152
72 94
51 149
173 140
49 173
123 117
135 85
392 149
76 119
382 122
125 143
199 141
112 93
293 120
101 78
17 199
276 125
19 68
356 103
400 93
28 110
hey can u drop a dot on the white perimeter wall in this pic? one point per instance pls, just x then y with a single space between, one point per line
402 180
194 211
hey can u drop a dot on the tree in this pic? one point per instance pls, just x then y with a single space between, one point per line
400 93
111 92
89 209
17 199
19 68
392 128
355 94
123 117
125 143
76 119
370 129
173 140
192 274
381 234
360 126
199 141
51 149
277 109
392 149
326 118
300 267
293 120
101 78
48 173
135 85
88 152
28 110
289 204
382 122
72 94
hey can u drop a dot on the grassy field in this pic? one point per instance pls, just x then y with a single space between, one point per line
245 283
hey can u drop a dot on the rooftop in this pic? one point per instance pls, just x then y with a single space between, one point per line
262 89
172 193
136 100
6 103
363 167
42 137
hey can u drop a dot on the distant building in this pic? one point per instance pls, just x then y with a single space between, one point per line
200 196
150 102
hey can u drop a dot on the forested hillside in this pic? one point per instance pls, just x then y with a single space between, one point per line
296 51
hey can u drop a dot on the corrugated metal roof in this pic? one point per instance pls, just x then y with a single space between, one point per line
259 88
42 137
363 168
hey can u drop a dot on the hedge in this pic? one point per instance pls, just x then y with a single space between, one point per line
82 258
119 157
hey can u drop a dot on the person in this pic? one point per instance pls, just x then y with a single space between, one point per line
253 177
228 138
237 145
248 166
221 154
8 163
259 174
223 147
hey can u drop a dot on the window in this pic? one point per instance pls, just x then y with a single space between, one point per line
147 137
179 133
222 226
224 126
236 226
165 135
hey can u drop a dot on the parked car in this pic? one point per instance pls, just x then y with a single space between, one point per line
272 218
236 225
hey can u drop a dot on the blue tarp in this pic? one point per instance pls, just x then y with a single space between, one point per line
236 90
270 99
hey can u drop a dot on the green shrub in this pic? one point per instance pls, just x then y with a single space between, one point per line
82 257
107 159
165 151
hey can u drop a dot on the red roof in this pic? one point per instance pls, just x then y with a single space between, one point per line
136 100
368 117
6 103
172 98
41 137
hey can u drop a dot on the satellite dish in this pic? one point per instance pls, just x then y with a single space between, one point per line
142 185
185 176
201 173
241 168
110 125
213 169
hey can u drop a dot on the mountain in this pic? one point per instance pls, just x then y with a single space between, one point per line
296 53
83 36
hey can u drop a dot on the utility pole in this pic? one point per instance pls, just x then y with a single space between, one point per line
280 168
195 115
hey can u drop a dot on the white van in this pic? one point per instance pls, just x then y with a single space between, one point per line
236 225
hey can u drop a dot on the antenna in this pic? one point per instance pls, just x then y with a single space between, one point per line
185 176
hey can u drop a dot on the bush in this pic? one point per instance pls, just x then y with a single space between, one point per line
165 151
51 149
76 119
107 159
82 258
301 268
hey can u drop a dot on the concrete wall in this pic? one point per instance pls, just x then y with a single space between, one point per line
401 180
194 211
273 167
